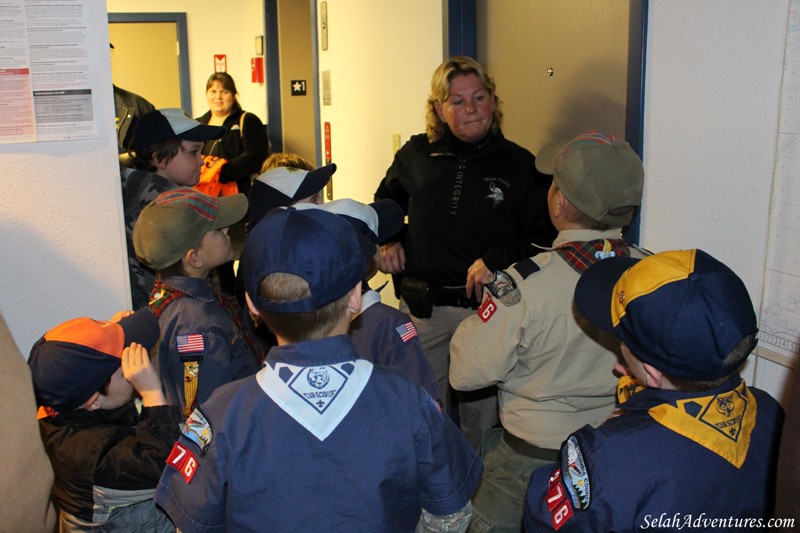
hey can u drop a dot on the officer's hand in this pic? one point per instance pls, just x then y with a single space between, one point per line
478 276
393 258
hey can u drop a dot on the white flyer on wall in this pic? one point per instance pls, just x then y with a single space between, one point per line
45 70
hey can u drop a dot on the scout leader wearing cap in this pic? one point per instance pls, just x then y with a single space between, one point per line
182 236
106 456
167 144
382 334
692 440
553 372
318 428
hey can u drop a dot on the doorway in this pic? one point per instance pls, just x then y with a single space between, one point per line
151 57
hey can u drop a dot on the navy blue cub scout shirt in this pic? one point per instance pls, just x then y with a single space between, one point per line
319 438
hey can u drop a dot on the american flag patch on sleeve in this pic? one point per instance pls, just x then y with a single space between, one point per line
406 331
191 343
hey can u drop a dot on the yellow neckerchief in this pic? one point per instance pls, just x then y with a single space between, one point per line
722 423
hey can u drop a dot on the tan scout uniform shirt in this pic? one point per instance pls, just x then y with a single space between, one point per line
552 377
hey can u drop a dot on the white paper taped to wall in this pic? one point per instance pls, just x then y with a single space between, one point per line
780 306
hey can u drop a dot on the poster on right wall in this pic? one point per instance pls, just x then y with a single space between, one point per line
779 336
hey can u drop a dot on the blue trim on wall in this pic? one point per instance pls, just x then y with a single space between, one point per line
461 24
183 46
319 149
634 111
275 121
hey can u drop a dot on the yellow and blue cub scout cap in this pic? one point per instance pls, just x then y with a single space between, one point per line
681 311
320 247
74 360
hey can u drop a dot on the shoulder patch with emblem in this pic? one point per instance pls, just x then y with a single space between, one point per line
576 476
407 331
198 430
191 343
504 288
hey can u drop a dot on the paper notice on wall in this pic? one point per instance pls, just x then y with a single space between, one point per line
45 71
780 307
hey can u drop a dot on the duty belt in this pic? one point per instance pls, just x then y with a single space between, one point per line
452 296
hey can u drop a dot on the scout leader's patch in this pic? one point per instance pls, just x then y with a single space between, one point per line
183 460
487 308
406 331
198 430
576 476
558 504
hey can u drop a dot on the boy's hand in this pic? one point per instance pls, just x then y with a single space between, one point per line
120 315
136 368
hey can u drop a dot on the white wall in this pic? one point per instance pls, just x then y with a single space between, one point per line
381 55
214 28
713 80
61 231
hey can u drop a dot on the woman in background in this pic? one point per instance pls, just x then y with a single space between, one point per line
244 145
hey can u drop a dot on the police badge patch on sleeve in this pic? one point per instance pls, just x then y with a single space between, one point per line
575 474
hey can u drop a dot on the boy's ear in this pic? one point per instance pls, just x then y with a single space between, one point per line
354 300
250 304
160 164
193 259
655 378
561 205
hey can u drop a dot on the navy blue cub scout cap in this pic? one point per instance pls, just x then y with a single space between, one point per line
162 124
681 311
320 247
74 359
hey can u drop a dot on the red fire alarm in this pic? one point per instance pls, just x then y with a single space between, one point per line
257 69
220 63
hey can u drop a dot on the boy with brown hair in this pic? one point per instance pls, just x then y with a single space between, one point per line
382 334
205 341
107 456
167 144
323 435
